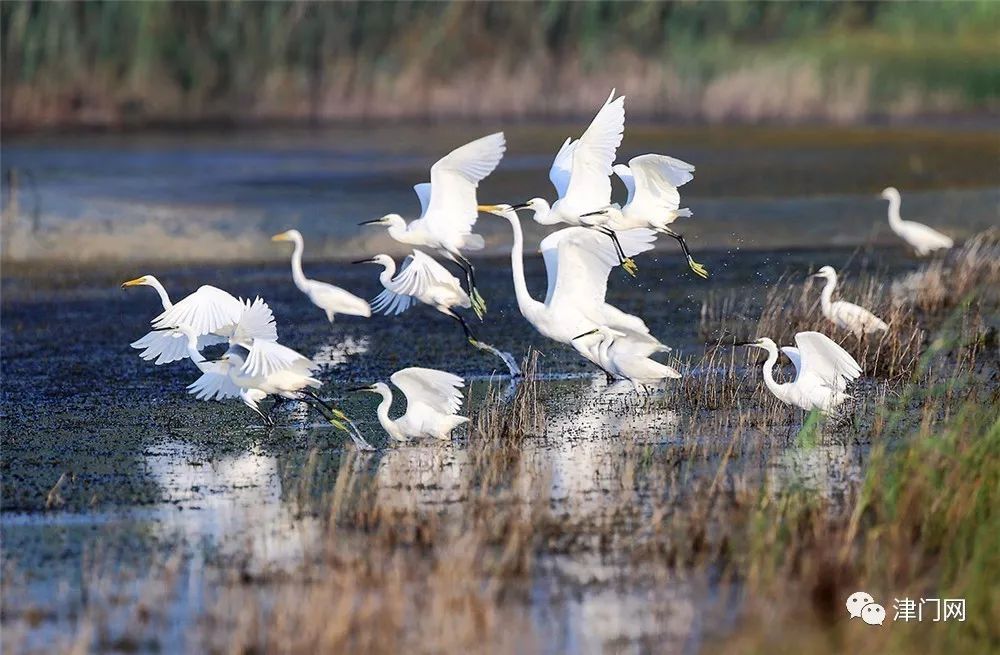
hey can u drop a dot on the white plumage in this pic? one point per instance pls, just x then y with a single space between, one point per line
823 370
627 356
433 399
843 314
924 240
331 299
421 279
211 312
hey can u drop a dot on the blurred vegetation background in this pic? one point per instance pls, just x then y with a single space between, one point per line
115 64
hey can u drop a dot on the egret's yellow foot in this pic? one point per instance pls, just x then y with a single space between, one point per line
478 304
339 414
630 267
339 425
698 269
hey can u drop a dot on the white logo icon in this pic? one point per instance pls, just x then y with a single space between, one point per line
857 601
873 614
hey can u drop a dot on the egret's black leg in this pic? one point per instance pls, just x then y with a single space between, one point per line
626 262
697 268
478 304
465 326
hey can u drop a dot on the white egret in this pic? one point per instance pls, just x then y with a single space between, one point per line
578 262
626 357
433 399
846 315
211 312
923 239
422 279
448 207
822 371
581 174
331 299
653 199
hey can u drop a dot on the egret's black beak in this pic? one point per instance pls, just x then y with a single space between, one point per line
370 260
521 206
365 388
586 334
374 221
745 343
215 359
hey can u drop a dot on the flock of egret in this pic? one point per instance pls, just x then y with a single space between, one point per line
600 236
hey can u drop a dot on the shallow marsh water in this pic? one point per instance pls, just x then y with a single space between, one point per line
106 458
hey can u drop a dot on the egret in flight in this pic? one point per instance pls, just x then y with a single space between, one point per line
653 198
822 371
332 300
422 279
448 207
624 356
581 174
923 239
433 399
211 312
578 262
846 315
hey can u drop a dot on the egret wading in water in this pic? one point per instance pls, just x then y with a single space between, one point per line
256 366
924 240
433 399
578 262
822 371
626 357
211 312
653 199
448 207
422 279
581 175
845 315
331 299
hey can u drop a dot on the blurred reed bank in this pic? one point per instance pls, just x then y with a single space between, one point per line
118 64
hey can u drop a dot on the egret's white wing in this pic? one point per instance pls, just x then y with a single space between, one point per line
656 178
451 210
166 346
256 322
437 390
793 354
214 385
420 272
585 259
562 166
268 357
624 173
825 361
208 309
423 191
593 155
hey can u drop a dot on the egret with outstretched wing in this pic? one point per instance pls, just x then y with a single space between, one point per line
433 399
625 356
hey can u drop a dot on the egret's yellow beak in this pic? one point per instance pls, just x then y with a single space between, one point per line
134 283
497 210
280 237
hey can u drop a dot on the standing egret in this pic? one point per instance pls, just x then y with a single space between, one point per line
626 357
822 371
581 174
653 199
578 262
846 315
923 239
332 300
422 279
433 399
448 207
211 312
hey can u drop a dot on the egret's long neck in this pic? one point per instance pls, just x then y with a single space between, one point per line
297 275
383 414
194 353
525 302
385 277
164 298
772 384
895 219
826 298
398 231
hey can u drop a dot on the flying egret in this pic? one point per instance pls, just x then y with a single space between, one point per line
578 262
422 279
448 207
332 300
822 371
256 366
846 315
581 174
653 199
923 239
211 312
433 399
626 357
